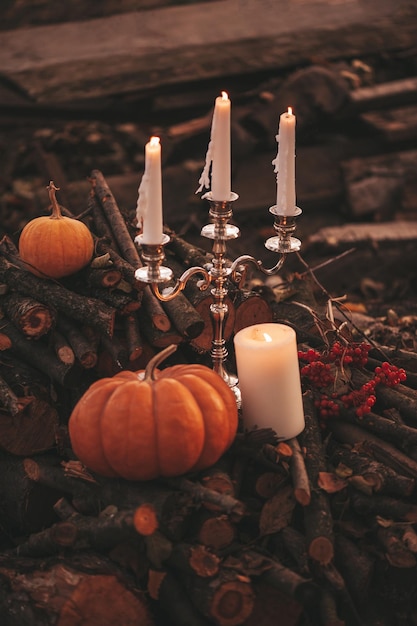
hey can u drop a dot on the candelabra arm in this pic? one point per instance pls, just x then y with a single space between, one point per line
169 293
239 267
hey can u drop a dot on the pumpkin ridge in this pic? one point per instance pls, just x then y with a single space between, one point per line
155 414
181 399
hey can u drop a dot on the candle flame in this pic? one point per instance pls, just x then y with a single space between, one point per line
289 111
154 141
224 95
261 335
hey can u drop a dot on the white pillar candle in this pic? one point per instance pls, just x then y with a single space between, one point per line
219 152
149 206
285 164
269 378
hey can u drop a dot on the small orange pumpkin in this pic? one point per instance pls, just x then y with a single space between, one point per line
55 246
141 425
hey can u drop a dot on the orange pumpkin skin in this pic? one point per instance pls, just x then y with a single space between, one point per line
140 429
55 246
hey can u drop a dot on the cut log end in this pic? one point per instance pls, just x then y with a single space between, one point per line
145 520
204 562
103 601
321 550
232 603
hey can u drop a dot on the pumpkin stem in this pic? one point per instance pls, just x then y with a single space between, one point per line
56 211
156 360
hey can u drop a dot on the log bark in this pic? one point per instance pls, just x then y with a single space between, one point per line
62 348
318 520
43 356
81 308
301 483
371 476
371 444
126 245
31 317
250 308
133 337
32 429
88 588
83 349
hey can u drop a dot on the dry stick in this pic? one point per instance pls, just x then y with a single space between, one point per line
401 434
375 446
171 508
356 566
62 348
8 399
318 520
124 303
225 503
133 337
82 308
187 252
33 318
156 337
302 491
384 506
295 544
304 590
76 529
125 268
45 358
126 245
102 277
101 225
82 347
201 302
371 476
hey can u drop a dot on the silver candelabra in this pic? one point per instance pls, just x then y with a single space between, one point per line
220 270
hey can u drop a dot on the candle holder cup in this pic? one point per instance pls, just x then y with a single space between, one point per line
220 270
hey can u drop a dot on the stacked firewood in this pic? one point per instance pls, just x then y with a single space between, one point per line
317 530
96 322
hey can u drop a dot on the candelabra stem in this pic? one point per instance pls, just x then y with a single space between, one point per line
220 231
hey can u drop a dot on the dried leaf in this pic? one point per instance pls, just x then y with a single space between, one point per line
330 482
343 471
277 511
385 523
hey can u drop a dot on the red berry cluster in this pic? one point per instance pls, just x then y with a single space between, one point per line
389 375
319 371
362 399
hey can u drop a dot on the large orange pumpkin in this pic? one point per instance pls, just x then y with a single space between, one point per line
141 425
54 246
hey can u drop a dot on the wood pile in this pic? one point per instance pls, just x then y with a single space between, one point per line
98 321
319 529
311 529
316 531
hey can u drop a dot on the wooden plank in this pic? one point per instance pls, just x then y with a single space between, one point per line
37 12
354 234
143 50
